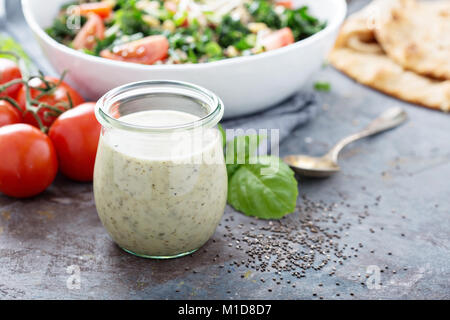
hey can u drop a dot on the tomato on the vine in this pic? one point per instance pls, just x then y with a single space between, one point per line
9 70
8 114
56 98
29 162
75 135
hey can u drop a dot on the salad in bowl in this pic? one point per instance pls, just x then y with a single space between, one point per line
252 54
181 31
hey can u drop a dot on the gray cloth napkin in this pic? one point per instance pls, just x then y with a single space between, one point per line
286 116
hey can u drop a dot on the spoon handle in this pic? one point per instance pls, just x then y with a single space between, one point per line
389 119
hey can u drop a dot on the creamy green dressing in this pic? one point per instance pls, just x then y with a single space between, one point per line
162 194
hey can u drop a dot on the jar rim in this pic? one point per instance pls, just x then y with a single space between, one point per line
213 117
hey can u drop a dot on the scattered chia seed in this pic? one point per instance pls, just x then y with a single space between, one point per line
310 240
295 244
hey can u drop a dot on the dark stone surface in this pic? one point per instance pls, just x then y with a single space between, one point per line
403 177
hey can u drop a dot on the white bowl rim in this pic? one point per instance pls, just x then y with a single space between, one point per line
29 17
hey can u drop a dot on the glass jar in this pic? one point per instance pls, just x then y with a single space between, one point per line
160 181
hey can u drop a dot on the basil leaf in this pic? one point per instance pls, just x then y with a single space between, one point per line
242 148
10 45
266 196
322 86
252 189
231 169
239 151
224 135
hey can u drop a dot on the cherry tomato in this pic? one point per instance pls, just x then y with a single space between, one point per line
286 4
171 6
145 51
103 9
93 30
9 114
9 70
29 163
60 95
278 39
75 135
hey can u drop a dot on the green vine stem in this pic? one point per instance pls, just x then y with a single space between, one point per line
33 105
12 102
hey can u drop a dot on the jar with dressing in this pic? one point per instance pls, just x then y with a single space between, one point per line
160 181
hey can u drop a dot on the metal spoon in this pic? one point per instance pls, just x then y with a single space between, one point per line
328 164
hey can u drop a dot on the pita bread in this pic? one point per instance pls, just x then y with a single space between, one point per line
358 54
417 36
381 73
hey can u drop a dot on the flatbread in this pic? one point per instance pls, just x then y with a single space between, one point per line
381 73
417 36
358 54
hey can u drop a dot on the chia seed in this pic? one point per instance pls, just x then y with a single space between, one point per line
310 240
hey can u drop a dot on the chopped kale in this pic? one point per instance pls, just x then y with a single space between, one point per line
191 40
231 31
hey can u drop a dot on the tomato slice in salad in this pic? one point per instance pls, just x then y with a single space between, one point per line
144 51
103 9
171 6
286 4
93 29
278 39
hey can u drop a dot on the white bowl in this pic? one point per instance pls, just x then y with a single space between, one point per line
245 84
